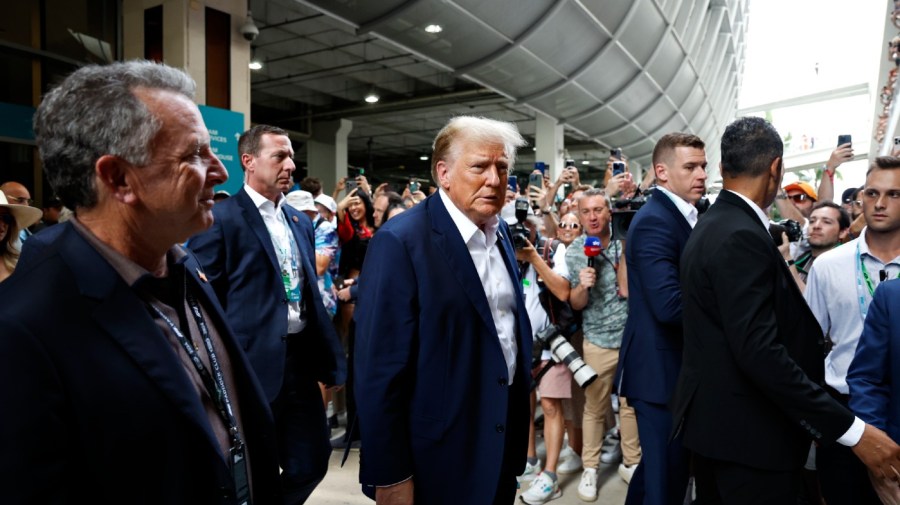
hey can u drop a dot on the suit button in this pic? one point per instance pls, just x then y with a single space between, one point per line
501 381
499 428
284 338
284 300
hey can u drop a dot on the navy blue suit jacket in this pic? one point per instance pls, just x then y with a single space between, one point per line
239 260
874 375
650 357
431 382
96 401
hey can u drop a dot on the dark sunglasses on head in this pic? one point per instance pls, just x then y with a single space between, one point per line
799 197
571 226
9 219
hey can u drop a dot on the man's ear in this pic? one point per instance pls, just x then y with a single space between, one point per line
843 235
247 162
661 171
776 170
443 174
113 178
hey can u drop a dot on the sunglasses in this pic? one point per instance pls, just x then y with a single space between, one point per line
569 226
9 219
801 197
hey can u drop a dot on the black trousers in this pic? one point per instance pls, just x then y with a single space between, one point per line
723 482
843 478
302 428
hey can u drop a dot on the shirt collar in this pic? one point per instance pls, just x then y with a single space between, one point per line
465 225
261 201
759 212
686 209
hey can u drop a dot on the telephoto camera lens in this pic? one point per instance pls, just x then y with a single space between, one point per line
563 352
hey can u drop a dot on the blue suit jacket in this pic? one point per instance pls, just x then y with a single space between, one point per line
96 401
239 260
431 382
650 357
874 375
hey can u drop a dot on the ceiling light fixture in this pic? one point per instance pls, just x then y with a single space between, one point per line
372 97
434 29
424 157
255 65
585 162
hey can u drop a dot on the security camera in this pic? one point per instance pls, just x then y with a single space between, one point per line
249 31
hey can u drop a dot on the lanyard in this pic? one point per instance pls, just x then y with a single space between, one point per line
862 274
214 387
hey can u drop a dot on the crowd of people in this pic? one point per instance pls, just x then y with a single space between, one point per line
202 344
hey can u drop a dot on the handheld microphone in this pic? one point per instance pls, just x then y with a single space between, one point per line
592 248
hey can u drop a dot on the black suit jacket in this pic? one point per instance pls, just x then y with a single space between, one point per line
238 258
749 390
96 403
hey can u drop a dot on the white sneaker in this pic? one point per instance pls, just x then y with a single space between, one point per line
569 461
531 471
612 453
627 471
542 490
587 488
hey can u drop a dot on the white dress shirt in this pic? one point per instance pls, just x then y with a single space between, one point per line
287 253
686 209
833 294
498 286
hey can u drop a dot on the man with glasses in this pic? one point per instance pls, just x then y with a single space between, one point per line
839 289
17 194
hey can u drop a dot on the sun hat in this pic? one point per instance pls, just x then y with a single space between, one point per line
25 215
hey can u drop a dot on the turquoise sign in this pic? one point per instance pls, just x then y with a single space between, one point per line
225 128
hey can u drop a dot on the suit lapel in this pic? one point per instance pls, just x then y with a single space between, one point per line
255 221
458 259
669 205
122 314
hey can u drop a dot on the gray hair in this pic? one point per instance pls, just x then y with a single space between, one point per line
94 112
479 129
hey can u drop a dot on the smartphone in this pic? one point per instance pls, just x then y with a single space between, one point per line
616 153
843 139
513 183
570 163
897 141
413 186
536 180
350 185
618 167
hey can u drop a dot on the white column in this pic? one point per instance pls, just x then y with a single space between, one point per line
548 135
326 152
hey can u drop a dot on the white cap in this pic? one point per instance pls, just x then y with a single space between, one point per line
301 200
327 202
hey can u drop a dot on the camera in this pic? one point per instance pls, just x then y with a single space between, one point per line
518 231
563 352
623 211
249 31
792 228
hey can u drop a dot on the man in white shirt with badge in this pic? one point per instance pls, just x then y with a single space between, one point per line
839 289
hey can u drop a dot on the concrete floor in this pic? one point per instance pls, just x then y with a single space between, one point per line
341 485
